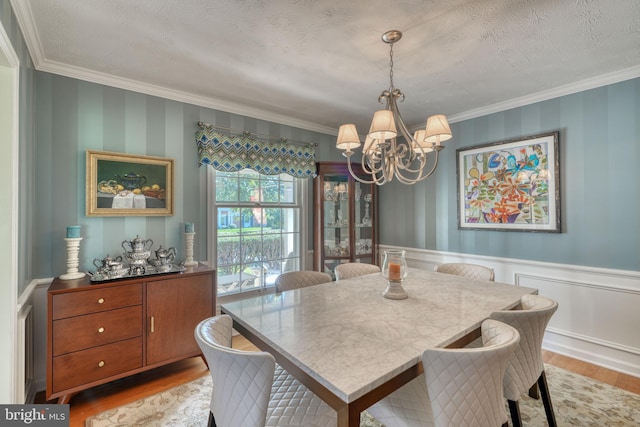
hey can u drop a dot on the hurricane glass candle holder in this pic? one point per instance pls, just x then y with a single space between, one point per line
394 269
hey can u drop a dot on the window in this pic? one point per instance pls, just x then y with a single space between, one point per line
257 229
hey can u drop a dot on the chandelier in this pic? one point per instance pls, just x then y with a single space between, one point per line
384 155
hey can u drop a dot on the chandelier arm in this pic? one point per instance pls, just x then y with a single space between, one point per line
348 155
409 181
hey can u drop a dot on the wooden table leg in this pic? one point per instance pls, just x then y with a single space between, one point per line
348 416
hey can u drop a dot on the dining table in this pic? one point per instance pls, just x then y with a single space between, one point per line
351 346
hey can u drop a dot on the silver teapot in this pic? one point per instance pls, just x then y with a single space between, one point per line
137 245
106 262
165 256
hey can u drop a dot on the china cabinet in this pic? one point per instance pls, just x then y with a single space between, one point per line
345 223
99 332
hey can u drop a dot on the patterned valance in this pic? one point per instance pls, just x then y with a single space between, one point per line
231 153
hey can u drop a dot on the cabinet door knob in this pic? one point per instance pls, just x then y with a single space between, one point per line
101 364
101 329
101 301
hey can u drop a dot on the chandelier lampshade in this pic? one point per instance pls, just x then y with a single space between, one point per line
437 129
389 150
421 143
370 145
348 137
383 126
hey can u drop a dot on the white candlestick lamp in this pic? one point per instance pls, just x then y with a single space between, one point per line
73 261
188 241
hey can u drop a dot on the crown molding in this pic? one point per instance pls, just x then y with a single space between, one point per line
25 19
175 95
569 89
24 16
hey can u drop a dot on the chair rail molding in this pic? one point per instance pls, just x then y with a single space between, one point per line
596 321
597 317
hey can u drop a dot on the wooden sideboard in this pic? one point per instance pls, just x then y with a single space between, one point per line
101 331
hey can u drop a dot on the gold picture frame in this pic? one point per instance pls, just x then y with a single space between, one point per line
128 185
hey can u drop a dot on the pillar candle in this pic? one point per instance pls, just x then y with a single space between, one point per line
188 227
73 231
394 271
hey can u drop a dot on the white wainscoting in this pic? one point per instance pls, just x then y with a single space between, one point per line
598 319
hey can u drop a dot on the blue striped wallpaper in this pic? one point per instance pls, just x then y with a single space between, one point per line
599 133
74 116
599 155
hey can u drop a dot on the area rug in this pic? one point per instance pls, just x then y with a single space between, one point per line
577 400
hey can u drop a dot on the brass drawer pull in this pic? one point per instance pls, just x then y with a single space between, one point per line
153 324
101 364
100 329
101 301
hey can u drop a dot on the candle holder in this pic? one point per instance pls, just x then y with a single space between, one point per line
73 249
188 242
394 269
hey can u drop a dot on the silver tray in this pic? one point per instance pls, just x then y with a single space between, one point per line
151 270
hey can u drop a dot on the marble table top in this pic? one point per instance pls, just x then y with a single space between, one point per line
350 339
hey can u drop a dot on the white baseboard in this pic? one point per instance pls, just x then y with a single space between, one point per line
597 318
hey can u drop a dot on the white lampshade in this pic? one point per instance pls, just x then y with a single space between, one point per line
370 144
383 126
420 136
437 129
348 137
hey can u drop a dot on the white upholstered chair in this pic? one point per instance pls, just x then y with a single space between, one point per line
354 269
472 271
460 387
300 279
526 367
250 390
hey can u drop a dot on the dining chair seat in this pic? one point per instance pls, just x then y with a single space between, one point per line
250 389
300 279
459 387
472 271
526 367
354 269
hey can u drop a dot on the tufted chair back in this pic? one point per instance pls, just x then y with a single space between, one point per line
300 279
472 271
251 390
236 375
460 387
526 367
354 269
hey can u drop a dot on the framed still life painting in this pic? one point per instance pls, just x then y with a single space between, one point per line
121 184
510 185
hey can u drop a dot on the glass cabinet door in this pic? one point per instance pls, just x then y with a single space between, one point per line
363 221
336 216
344 218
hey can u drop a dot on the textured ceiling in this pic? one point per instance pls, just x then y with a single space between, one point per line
318 64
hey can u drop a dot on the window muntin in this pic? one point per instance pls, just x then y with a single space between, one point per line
258 229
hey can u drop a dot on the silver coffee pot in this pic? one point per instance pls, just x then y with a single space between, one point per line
137 245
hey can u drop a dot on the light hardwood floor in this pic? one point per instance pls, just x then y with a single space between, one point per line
120 392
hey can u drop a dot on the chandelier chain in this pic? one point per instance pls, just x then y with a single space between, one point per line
391 87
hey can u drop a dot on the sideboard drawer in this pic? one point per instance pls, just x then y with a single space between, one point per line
96 300
82 367
81 332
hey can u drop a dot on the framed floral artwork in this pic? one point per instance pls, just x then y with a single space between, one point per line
121 184
510 185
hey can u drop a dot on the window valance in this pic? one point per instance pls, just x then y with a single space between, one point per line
232 153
